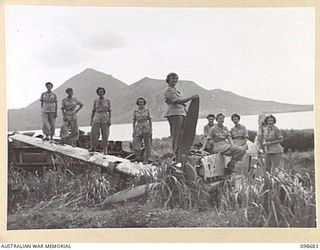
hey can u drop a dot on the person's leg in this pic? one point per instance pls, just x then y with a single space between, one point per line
176 124
64 131
95 135
268 163
147 145
276 161
74 135
52 122
105 137
45 124
136 146
236 154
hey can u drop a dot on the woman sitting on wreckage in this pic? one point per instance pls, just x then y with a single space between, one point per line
142 130
222 142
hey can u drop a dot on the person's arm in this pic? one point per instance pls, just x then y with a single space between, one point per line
109 110
172 98
134 124
184 100
229 137
56 107
246 136
63 110
279 137
41 100
208 139
92 113
204 144
150 121
80 105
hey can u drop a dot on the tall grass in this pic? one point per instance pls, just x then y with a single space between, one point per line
284 198
279 199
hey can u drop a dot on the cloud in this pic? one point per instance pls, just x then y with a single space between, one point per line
63 46
101 40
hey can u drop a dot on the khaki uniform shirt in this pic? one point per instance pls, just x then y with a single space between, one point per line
69 107
102 110
272 133
171 95
239 134
219 137
206 129
142 118
49 101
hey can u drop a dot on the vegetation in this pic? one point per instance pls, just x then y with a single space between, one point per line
66 197
296 140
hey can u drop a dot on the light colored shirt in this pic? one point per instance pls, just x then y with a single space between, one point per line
238 134
49 102
102 109
142 118
171 95
69 106
219 136
206 129
273 133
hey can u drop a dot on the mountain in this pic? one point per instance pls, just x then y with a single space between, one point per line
84 86
123 100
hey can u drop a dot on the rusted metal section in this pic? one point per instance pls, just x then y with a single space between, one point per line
27 156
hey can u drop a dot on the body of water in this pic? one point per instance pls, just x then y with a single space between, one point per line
295 120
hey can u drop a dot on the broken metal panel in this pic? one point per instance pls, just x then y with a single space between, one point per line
124 166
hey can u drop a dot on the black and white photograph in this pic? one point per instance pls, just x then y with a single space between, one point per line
149 117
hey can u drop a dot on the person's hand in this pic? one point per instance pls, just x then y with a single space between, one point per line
266 143
109 123
195 97
65 119
55 115
91 123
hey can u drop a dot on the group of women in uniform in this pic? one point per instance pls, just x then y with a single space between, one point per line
218 139
100 121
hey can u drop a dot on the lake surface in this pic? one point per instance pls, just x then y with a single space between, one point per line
295 120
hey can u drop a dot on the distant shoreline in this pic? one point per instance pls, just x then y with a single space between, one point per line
162 120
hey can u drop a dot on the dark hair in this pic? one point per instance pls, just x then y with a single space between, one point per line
269 116
69 89
140 98
49 83
171 75
220 114
234 116
211 115
104 91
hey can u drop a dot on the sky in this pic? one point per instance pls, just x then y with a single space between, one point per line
260 53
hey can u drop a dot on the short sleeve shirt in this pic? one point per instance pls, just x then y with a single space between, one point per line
219 136
238 134
272 133
171 95
206 129
69 106
142 118
102 109
49 102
